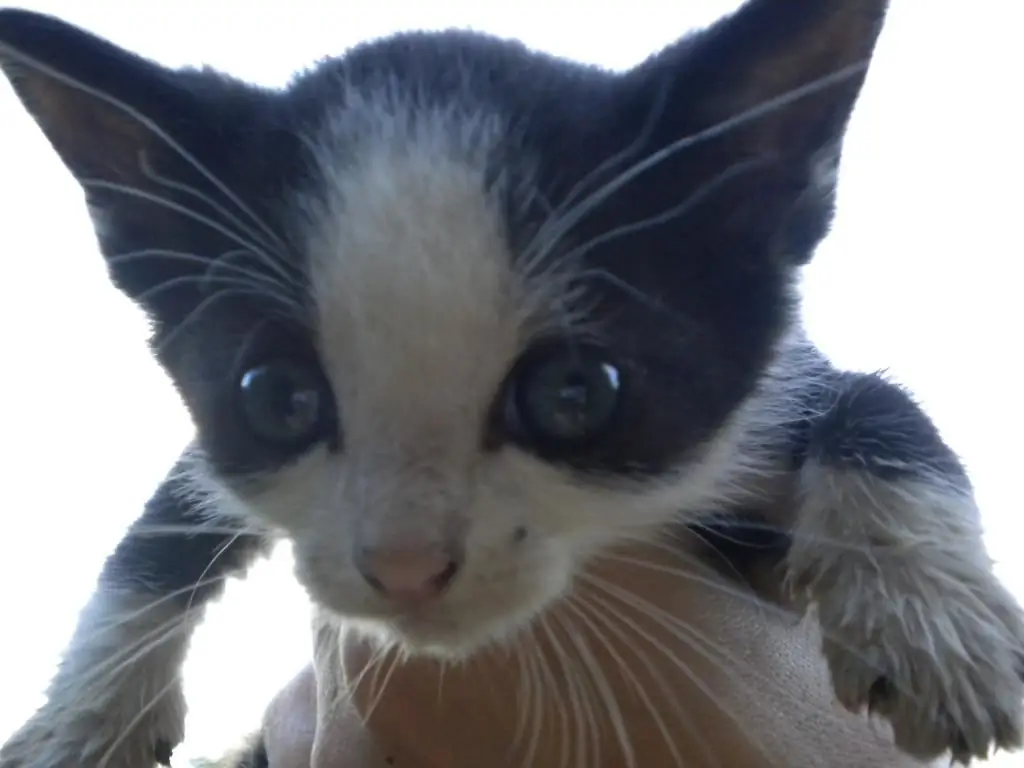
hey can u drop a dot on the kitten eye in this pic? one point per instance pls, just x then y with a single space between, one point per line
286 402
564 396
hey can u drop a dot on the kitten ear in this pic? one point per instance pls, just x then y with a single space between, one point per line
777 80
96 103
146 145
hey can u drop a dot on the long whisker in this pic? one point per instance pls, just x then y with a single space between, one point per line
765 607
564 224
535 707
138 648
348 691
196 529
118 620
210 265
579 606
709 581
224 284
396 661
565 752
143 711
521 654
687 636
605 695
198 310
125 189
274 245
692 201
216 556
578 189
577 697
144 121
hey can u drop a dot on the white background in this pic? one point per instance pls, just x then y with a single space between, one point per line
919 276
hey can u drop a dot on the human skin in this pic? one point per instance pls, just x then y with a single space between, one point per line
756 693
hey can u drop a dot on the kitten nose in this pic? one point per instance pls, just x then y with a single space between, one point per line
408 575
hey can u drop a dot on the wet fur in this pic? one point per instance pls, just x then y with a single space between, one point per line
423 210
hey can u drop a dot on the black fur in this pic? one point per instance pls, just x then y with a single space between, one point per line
872 425
692 323
166 551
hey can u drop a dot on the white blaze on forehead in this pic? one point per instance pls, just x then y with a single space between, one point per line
418 309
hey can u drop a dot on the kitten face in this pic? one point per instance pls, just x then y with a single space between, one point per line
449 297
428 328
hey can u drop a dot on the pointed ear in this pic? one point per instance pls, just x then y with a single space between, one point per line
146 144
97 104
788 72
777 80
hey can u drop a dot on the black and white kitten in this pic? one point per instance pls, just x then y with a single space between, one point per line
454 316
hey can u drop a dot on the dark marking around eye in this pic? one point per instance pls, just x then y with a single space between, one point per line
286 404
560 398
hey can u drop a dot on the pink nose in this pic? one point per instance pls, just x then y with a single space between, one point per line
408 575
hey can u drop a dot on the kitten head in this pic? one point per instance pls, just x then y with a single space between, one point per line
455 315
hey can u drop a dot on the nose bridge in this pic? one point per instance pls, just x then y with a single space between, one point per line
411 499
409 544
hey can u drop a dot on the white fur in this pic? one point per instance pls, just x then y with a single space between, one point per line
117 691
904 590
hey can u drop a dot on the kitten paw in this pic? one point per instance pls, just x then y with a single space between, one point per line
940 661
86 736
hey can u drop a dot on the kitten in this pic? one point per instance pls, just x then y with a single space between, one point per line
455 316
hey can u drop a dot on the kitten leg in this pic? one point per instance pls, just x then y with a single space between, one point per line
888 544
116 699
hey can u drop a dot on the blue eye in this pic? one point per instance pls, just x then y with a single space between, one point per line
286 402
564 396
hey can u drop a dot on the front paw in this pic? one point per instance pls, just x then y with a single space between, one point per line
940 660
119 735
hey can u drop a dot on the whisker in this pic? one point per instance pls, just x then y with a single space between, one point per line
577 698
118 620
276 243
630 599
605 695
634 147
199 529
169 204
138 648
211 265
521 655
565 752
702 193
225 285
144 121
143 711
535 706
395 663
709 581
348 691
765 607
569 220
578 605
216 556
442 667
197 311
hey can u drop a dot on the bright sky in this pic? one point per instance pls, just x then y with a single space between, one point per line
918 277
